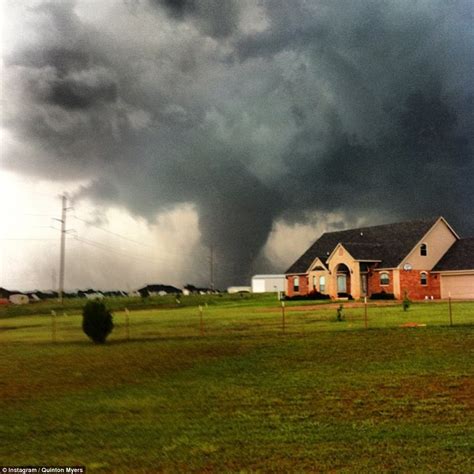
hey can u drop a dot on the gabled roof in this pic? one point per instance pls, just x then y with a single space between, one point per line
389 243
460 256
317 264
363 251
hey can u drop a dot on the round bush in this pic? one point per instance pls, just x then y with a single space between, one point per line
97 321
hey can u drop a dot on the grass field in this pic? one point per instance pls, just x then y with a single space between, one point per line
74 305
243 395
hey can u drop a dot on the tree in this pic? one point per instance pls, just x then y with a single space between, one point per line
97 321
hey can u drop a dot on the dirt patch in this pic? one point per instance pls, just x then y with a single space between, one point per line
12 328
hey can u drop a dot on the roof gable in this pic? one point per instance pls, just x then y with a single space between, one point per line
317 265
438 239
460 256
389 243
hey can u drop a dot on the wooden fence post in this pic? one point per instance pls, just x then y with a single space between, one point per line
53 326
283 316
127 324
450 310
201 320
366 323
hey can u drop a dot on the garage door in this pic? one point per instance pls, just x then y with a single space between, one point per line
460 286
258 286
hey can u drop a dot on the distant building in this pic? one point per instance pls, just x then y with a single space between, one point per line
158 290
90 294
268 283
191 289
114 293
38 295
5 294
94 296
19 299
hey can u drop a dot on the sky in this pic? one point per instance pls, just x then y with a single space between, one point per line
248 127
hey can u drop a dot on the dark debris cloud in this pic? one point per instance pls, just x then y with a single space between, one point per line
253 112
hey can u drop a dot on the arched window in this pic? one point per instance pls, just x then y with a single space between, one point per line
384 279
296 284
423 250
424 278
322 284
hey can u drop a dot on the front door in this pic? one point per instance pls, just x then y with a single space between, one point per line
363 284
341 284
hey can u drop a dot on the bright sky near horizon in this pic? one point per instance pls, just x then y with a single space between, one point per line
100 241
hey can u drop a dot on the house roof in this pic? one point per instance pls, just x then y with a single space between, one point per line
389 243
155 288
460 256
362 251
269 276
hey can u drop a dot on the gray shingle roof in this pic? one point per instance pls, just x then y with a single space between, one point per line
459 257
389 243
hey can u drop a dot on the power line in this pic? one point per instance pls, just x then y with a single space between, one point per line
115 251
198 259
21 238
35 215
116 234
107 248
111 232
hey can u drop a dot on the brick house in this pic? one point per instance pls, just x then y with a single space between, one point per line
425 258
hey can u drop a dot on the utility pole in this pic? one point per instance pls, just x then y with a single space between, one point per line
211 264
62 256
53 279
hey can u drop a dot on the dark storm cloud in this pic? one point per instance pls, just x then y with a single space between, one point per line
72 78
73 94
396 135
358 108
216 18
177 8
63 60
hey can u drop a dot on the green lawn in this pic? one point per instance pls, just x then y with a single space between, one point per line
244 395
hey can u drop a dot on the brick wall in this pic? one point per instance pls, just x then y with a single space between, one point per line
410 282
374 285
303 285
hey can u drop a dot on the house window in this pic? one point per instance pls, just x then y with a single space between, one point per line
424 278
296 284
322 284
384 279
423 250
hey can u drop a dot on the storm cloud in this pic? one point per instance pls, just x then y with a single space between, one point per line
216 18
252 112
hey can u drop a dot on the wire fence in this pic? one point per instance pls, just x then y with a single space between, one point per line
215 321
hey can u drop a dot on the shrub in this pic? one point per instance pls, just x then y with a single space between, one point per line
382 296
340 313
345 295
314 295
97 321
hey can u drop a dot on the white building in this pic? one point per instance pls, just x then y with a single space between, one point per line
19 299
268 283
